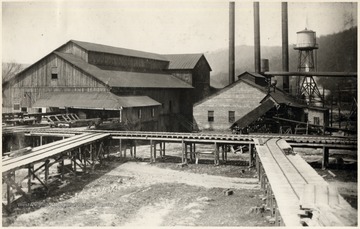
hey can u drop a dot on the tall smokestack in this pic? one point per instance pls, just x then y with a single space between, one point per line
231 42
257 37
285 44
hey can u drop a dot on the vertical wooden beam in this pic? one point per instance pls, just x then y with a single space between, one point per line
183 151
258 166
325 159
155 151
164 149
222 153
250 156
84 155
216 154
41 140
62 167
29 179
47 171
134 149
9 192
151 153
74 161
120 146
161 150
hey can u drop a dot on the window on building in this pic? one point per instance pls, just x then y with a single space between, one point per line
231 116
153 112
139 113
210 116
24 109
54 73
316 120
16 106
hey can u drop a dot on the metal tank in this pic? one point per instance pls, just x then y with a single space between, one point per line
306 39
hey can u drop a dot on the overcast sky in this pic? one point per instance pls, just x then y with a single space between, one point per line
31 30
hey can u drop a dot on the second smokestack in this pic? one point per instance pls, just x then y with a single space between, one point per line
257 54
285 44
231 42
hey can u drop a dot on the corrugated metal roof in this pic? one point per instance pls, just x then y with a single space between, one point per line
281 98
118 51
182 61
254 114
126 79
93 100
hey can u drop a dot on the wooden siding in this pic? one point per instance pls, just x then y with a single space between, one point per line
34 82
75 50
241 98
323 116
126 63
184 75
163 96
201 80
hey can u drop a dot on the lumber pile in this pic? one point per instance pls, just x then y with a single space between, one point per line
322 205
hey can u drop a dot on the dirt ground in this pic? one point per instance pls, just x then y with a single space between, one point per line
124 192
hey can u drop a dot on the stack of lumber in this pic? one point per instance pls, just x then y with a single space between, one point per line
322 205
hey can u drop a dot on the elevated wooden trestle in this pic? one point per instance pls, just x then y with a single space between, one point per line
83 150
284 177
296 194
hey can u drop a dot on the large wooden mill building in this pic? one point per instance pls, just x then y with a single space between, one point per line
151 91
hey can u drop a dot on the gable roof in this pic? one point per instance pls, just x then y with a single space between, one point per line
117 51
184 61
93 100
231 86
125 79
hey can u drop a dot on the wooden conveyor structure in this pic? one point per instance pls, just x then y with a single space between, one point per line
296 194
84 150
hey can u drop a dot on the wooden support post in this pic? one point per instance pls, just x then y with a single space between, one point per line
216 154
134 149
155 151
29 178
47 171
258 166
84 155
62 167
164 149
325 159
120 147
131 151
186 153
41 140
222 153
125 151
251 161
183 151
74 161
8 192
161 151
226 151
151 153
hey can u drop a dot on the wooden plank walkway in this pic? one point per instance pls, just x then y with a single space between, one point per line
45 151
298 187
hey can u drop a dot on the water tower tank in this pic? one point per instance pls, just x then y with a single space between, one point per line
306 39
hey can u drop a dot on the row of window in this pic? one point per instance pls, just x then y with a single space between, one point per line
231 116
211 117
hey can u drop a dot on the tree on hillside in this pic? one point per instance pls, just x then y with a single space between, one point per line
9 70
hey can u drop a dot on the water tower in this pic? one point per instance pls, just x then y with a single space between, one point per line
306 46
